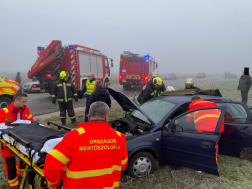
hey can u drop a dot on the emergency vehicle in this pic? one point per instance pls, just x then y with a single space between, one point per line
77 60
8 88
135 69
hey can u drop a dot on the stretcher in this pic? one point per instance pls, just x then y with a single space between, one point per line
24 150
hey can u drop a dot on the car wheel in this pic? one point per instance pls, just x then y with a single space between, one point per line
141 164
5 102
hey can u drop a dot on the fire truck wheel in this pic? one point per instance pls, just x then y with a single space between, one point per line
127 87
5 102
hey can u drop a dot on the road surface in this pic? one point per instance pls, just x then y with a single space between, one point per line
40 103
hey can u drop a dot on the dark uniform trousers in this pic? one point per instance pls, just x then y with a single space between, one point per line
63 106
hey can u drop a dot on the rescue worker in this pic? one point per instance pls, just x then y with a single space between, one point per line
16 110
189 84
149 91
64 91
160 89
88 89
18 78
92 156
100 94
205 120
244 85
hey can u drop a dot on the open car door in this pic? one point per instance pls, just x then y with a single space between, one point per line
184 143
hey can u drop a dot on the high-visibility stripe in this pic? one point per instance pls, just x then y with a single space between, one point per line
80 130
138 103
62 117
13 180
8 90
59 85
30 116
118 133
206 116
72 117
6 110
53 96
75 94
52 183
91 173
65 91
14 184
60 100
124 161
116 184
59 156
69 84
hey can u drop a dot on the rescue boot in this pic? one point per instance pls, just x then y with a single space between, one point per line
73 120
63 121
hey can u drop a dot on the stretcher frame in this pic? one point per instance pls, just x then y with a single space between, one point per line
31 169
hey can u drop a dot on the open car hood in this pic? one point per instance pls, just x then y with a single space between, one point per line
126 103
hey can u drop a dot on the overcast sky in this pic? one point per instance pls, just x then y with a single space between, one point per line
182 35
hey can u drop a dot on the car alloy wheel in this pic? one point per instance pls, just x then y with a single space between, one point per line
141 164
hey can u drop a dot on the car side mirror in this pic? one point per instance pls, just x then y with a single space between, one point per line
166 127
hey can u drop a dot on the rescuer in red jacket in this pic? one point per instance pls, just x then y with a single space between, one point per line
16 110
205 120
92 156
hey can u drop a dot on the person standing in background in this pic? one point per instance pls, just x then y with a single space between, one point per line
244 85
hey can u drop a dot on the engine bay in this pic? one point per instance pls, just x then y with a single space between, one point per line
130 126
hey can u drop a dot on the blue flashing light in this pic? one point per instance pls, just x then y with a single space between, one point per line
39 48
147 57
71 47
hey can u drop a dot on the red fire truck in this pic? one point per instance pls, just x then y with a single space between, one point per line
77 60
135 69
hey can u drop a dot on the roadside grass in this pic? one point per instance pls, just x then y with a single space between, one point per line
234 172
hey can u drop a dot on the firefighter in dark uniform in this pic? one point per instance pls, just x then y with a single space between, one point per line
159 89
64 91
189 84
149 91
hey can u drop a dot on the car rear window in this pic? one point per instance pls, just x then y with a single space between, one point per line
235 113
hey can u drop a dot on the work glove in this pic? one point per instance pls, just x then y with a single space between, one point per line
76 99
80 94
54 101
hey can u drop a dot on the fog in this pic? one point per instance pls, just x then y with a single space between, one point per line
184 36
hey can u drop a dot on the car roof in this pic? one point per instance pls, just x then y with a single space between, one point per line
177 99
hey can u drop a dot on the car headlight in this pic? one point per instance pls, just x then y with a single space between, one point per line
16 87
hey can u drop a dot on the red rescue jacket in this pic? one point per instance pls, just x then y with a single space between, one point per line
92 156
7 115
205 120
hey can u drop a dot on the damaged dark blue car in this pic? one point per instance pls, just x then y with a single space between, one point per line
158 130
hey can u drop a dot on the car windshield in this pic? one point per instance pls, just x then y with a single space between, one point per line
155 109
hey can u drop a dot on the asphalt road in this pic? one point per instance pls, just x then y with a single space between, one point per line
40 103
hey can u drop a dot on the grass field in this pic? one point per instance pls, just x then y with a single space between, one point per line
234 172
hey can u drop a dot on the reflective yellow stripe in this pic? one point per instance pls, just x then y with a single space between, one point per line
9 139
59 156
72 117
60 100
65 91
124 161
13 180
138 103
91 173
118 133
53 96
6 110
69 99
62 117
59 85
80 130
30 116
116 184
68 84
52 183
30 186
8 90
14 184
205 116
75 94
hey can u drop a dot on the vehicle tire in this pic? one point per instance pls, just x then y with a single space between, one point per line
5 102
141 164
127 87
